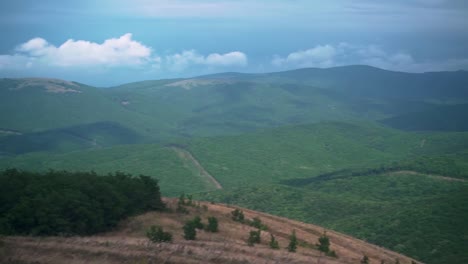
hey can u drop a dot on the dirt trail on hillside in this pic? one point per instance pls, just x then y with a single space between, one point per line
440 177
186 155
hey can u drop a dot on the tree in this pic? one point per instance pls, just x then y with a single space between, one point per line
324 243
212 224
292 242
197 222
157 234
365 260
190 232
273 242
254 238
237 215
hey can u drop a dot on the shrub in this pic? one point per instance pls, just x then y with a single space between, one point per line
254 238
273 242
256 222
190 232
212 224
292 246
197 222
237 215
324 243
157 234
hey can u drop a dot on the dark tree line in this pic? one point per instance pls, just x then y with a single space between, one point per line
71 203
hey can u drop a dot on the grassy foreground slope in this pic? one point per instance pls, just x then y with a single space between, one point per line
174 174
128 243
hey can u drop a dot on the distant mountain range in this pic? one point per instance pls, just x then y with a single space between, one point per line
47 110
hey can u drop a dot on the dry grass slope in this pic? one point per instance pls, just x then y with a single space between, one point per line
128 243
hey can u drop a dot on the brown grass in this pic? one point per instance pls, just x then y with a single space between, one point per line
128 244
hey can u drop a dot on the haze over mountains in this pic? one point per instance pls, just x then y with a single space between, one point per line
377 154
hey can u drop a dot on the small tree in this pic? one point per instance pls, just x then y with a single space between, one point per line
190 232
157 234
212 224
292 246
324 243
254 238
237 215
197 222
365 260
273 242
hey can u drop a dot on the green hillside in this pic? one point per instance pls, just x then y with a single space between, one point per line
377 154
225 104
174 175
310 150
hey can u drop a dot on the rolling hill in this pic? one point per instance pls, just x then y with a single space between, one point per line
376 154
228 104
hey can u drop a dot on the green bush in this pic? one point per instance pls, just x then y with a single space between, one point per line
212 224
292 246
238 215
156 234
273 242
254 237
197 222
190 232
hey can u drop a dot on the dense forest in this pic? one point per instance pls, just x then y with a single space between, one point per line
71 203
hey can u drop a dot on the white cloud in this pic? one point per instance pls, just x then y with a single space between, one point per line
181 61
112 52
323 56
319 56
115 52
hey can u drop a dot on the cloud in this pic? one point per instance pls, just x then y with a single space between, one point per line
187 58
319 56
112 52
324 56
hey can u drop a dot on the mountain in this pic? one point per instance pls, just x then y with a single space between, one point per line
379 155
227 103
128 243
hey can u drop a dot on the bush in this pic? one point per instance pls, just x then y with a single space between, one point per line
292 246
197 222
273 242
254 238
157 234
190 232
238 215
324 243
212 224
256 222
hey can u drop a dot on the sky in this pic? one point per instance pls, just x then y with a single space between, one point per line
110 42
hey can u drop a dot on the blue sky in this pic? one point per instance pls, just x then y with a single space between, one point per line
108 42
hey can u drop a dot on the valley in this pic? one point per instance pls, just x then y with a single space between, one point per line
378 155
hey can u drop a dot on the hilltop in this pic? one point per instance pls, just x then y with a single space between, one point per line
128 244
